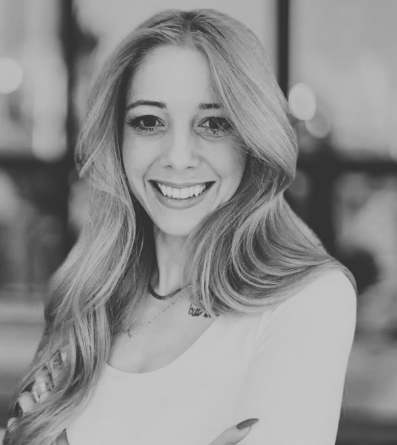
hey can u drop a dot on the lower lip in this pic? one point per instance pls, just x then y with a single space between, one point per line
180 204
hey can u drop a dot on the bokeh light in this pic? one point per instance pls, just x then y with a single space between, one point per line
302 101
11 75
320 125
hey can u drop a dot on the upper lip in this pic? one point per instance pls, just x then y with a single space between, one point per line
180 185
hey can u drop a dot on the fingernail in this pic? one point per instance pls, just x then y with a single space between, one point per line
58 360
18 410
28 387
246 423
43 382
57 363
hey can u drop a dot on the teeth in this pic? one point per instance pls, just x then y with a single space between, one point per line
184 193
176 193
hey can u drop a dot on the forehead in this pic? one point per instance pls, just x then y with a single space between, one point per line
173 74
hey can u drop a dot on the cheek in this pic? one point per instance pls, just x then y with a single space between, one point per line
136 162
130 166
234 166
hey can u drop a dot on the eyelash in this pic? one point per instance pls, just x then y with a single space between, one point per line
136 124
224 125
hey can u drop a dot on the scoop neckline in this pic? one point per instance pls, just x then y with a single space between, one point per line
110 370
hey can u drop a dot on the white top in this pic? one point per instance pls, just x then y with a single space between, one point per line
285 366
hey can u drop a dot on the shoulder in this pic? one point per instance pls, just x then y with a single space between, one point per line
330 281
331 289
328 303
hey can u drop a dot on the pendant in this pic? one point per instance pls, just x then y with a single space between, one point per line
194 311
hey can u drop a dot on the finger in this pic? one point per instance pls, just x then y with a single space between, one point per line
235 433
6 438
11 422
58 361
62 439
231 436
24 403
56 365
42 387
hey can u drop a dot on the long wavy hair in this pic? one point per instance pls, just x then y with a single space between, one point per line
251 252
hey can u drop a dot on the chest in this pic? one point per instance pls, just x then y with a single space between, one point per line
191 400
160 343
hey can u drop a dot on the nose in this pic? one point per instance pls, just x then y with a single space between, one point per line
180 151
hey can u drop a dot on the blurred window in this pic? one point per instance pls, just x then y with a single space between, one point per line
110 21
343 92
33 114
365 215
31 229
33 80
346 53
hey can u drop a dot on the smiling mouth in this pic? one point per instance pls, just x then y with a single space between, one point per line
181 193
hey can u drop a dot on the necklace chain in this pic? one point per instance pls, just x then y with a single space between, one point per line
162 297
133 334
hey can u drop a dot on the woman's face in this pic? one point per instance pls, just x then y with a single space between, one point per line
180 155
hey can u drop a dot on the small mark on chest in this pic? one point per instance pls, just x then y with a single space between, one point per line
196 312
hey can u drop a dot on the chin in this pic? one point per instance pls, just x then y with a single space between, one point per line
178 229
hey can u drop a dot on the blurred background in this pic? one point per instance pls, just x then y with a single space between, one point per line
336 61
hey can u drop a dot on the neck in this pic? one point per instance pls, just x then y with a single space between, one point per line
169 252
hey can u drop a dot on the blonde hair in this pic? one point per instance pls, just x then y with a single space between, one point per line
251 252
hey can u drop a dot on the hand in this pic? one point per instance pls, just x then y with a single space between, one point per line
38 390
235 433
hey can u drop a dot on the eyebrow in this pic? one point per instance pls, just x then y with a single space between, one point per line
210 106
151 103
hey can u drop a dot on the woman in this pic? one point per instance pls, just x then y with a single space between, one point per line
195 298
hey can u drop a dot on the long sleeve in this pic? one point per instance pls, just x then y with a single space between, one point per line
296 377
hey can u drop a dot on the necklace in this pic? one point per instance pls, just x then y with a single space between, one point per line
133 334
162 297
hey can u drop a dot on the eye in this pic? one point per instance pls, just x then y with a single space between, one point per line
145 124
216 126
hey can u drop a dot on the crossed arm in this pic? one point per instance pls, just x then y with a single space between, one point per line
296 379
